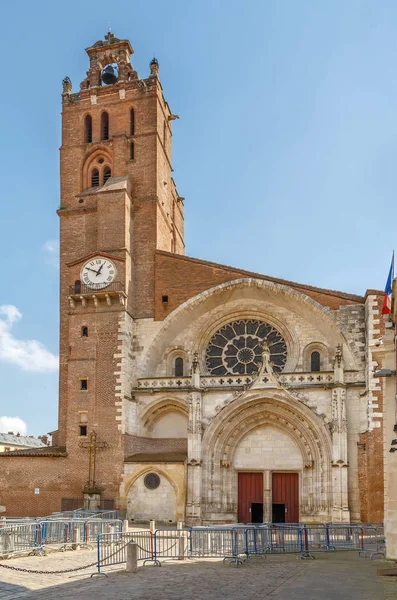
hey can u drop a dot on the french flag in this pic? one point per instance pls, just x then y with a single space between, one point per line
386 309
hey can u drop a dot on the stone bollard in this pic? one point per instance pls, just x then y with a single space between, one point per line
132 558
125 526
76 538
181 553
152 526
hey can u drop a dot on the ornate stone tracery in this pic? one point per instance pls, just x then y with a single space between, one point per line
238 348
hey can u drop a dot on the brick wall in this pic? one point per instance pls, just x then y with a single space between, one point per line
180 278
19 476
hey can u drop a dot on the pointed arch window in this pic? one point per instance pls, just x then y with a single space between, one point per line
104 126
107 173
179 367
94 178
132 122
315 361
88 129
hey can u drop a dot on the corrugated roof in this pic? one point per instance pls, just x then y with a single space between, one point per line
23 441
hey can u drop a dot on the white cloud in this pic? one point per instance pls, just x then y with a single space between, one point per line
51 250
29 355
14 424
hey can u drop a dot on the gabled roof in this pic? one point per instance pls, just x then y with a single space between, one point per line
294 284
20 440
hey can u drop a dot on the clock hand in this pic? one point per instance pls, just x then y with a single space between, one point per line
88 269
100 269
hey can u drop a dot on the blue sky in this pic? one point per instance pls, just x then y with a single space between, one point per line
285 149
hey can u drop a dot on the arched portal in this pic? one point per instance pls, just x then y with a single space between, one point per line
267 433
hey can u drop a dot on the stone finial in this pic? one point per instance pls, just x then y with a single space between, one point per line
66 86
154 67
338 355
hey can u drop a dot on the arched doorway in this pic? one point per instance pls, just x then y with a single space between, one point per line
266 435
269 467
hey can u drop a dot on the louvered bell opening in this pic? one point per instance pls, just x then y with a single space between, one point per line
106 174
95 178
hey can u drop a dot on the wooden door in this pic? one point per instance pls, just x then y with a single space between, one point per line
250 490
285 490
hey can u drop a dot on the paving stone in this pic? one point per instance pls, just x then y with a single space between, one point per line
331 576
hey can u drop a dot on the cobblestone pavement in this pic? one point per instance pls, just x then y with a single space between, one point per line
332 576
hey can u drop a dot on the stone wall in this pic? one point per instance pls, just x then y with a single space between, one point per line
268 448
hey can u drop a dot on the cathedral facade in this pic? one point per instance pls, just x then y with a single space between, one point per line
190 391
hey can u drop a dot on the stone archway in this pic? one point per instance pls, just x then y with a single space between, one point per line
161 502
276 409
159 409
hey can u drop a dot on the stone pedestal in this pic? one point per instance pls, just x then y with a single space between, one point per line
92 501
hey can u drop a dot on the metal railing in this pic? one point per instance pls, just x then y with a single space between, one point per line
112 547
235 543
16 538
80 289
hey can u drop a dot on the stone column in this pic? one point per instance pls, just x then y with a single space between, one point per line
267 496
194 468
340 465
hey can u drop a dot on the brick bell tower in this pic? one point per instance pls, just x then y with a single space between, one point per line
118 205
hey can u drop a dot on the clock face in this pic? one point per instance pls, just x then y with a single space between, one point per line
98 273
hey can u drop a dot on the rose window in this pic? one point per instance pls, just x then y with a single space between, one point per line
237 348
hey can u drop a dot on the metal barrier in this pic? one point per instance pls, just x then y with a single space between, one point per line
18 538
233 543
112 547
34 536
76 531
170 543
374 542
82 513
228 543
